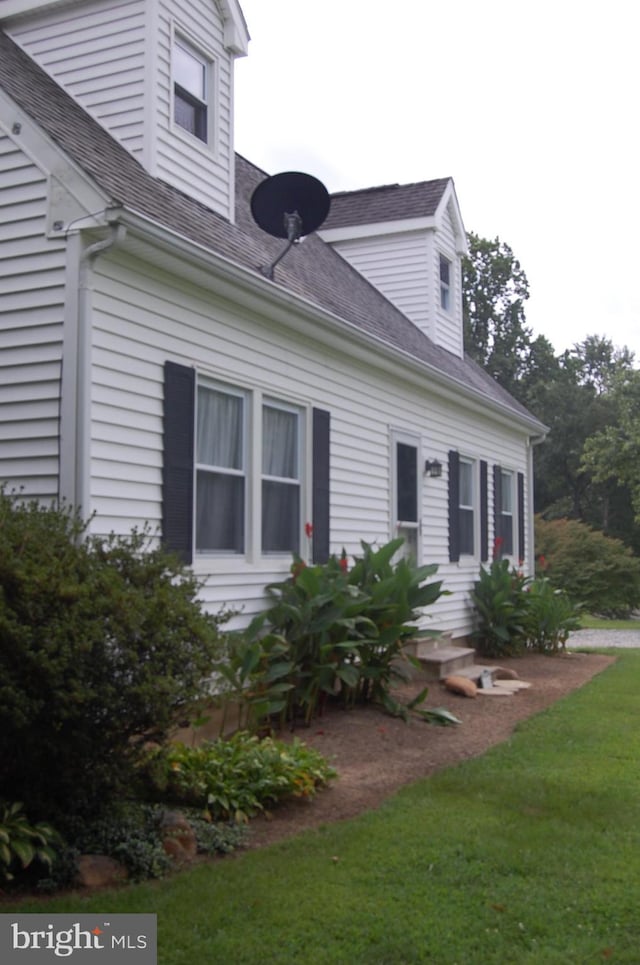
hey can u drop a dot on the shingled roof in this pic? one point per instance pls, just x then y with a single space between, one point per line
312 270
389 202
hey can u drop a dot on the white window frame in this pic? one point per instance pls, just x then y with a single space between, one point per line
255 399
273 403
507 487
472 507
445 287
410 529
180 38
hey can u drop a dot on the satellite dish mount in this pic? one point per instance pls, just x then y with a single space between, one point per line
289 205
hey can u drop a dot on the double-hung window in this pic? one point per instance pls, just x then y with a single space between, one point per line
466 512
242 471
281 478
191 77
230 424
505 514
221 469
445 284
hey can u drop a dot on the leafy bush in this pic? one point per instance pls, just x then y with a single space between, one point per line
22 843
599 572
236 778
514 613
499 602
103 644
549 617
333 629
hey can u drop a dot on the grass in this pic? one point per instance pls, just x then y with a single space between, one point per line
589 622
526 855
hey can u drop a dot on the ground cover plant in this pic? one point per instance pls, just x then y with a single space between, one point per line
526 855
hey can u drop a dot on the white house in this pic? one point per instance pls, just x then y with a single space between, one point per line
149 372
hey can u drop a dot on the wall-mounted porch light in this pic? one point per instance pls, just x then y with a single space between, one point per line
433 468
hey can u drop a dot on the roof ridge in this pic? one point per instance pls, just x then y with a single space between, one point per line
387 187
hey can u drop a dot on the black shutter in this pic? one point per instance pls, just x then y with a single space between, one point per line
484 512
497 506
454 506
178 459
320 485
521 521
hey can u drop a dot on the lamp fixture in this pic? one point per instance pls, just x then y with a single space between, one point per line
433 468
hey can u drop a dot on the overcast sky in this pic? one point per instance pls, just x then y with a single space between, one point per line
531 108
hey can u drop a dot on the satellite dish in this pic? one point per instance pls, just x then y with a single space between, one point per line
289 205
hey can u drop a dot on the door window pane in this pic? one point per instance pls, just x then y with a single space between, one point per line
407 483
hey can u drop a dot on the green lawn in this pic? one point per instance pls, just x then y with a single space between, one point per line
529 854
590 622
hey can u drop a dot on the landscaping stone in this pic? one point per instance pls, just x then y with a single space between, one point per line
178 837
99 871
460 685
505 673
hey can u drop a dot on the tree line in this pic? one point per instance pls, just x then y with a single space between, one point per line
588 468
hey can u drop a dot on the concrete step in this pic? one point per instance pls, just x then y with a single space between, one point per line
445 661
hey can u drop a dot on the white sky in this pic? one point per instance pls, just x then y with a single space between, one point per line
533 109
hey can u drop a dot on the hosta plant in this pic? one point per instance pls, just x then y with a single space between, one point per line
22 843
235 778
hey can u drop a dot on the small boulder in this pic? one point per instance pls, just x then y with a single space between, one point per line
460 685
178 837
99 871
505 673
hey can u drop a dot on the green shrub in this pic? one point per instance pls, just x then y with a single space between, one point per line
600 573
235 778
334 629
499 602
22 843
104 644
549 617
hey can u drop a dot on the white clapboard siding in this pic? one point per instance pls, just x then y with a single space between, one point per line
397 264
448 330
98 53
143 317
32 273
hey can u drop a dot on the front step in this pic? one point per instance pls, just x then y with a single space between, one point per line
445 661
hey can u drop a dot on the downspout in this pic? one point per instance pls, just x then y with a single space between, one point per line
531 551
83 394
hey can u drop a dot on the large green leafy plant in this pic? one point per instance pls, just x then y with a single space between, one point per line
337 630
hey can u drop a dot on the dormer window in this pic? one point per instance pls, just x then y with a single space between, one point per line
445 284
190 88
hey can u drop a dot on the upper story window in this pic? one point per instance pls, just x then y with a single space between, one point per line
190 89
445 284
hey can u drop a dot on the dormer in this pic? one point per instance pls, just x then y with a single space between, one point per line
407 240
157 74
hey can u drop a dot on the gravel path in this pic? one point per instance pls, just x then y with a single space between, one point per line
604 638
